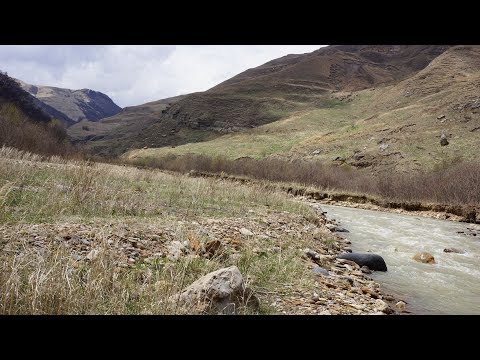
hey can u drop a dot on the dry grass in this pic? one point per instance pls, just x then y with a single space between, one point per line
52 282
54 278
35 193
454 182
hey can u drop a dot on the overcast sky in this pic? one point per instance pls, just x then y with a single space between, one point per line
134 74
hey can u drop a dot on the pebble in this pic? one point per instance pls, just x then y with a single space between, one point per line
246 232
317 270
93 254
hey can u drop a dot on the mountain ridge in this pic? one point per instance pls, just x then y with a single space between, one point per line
72 106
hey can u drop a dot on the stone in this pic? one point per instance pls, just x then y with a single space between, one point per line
325 312
366 270
383 146
373 261
316 152
176 249
381 305
222 291
93 254
424 257
443 140
246 232
317 270
212 247
312 254
371 292
401 305
336 228
330 227
454 250
439 117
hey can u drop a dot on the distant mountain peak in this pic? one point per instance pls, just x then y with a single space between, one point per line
73 106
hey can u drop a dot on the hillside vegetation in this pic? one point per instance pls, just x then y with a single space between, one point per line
24 125
386 128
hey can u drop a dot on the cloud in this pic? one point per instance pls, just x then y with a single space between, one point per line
135 74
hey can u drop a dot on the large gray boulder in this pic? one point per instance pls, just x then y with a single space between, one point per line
219 292
373 261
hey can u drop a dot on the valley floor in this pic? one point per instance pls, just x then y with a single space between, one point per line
90 238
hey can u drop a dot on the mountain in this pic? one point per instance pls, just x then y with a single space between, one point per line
133 127
269 93
375 108
72 106
25 125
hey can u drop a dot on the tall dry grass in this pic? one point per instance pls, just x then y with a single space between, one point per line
450 183
32 191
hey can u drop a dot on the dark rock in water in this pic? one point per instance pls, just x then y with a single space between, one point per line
453 250
340 229
317 270
373 261
333 227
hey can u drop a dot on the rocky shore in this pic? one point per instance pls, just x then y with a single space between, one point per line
326 285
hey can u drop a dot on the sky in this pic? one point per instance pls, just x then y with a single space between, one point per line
135 74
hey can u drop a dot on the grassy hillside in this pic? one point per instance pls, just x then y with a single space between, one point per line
134 127
394 127
268 93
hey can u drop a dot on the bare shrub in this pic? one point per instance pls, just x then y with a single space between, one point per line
453 183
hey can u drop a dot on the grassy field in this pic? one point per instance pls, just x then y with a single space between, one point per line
54 213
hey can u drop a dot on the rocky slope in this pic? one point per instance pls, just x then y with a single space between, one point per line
132 128
72 106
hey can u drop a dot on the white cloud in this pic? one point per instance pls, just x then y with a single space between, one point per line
135 74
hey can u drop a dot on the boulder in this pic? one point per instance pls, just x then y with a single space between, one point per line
373 261
424 257
401 305
454 250
219 292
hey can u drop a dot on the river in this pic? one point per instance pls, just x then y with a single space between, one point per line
451 286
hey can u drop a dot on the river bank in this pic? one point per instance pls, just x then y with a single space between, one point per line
447 286
450 212
91 238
